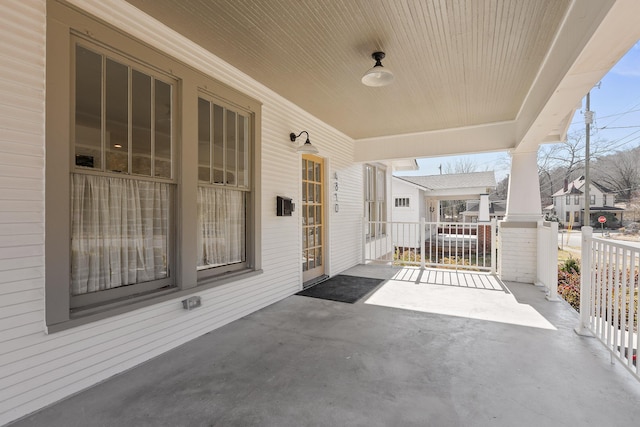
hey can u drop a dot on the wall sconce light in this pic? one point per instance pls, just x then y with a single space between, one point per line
305 148
378 75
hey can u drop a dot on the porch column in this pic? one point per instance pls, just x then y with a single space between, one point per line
484 241
518 237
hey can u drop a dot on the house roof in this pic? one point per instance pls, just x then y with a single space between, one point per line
575 187
454 180
470 76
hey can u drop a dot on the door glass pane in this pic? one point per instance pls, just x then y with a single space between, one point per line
318 173
318 193
117 117
319 236
141 123
204 140
163 130
304 191
88 135
218 144
304 169
319 256
310 170
311 259
305 267
318 214
311 215
310 191
230 162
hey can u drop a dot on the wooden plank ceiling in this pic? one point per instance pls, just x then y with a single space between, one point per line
499 72
457 62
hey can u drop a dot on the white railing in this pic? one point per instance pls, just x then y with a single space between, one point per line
455 245
547 268
609 296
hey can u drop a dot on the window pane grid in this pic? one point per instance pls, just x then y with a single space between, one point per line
122 124
223 155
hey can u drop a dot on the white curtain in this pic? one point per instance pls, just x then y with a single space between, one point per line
221 226
119 232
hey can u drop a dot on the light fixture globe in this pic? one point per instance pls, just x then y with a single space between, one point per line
378 75
307 147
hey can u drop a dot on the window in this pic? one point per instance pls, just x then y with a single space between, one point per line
223 174
604 200
144 162
375 200
402 202
568 216
121 184
576 200
568 200
576 217
593 199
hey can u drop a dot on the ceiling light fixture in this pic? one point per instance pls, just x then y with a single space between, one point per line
378 75
307 147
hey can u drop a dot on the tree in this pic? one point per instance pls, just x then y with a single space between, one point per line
619 173
565 160
461 165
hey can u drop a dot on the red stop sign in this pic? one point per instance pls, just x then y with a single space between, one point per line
602 219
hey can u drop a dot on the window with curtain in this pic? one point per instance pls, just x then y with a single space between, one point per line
115 185
223 174
121 185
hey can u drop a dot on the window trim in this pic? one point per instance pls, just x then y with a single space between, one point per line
82 302
63 23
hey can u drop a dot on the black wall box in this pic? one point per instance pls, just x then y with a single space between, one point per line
284 206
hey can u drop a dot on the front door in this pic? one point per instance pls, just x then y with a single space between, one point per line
312 217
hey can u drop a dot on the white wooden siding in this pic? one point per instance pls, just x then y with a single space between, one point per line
37 369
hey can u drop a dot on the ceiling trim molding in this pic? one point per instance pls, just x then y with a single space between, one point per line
471 139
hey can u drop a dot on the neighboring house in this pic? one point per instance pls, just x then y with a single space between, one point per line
416 197
497 210
568 203
150 191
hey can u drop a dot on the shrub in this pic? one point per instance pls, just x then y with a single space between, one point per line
570 265
569 289
569 286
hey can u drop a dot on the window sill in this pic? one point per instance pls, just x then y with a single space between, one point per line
84 316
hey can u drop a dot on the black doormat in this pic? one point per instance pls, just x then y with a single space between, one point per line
341 288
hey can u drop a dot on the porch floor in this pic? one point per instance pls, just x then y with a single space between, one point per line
431 349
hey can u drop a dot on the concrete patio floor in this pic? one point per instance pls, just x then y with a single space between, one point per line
431 349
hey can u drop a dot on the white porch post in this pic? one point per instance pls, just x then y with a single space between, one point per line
517 239
585 282
483 208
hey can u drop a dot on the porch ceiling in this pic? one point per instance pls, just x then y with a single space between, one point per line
471 76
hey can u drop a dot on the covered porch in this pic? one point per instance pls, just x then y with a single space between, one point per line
422 349
196 103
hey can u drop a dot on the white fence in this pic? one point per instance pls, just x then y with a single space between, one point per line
609 296
455 245
547 272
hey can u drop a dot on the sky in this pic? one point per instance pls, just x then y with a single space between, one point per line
616 107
